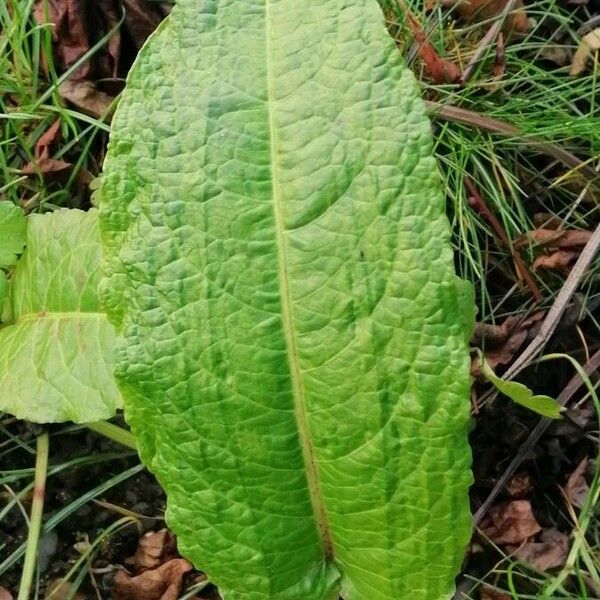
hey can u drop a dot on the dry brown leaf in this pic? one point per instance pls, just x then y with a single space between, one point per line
46 166
107 13
577 489
483 10
142 18
590 42
564 239
562 261
488 593
512 522
5 594
86 97
439 69
163 583
574 238
49 137
520 485
153 548
563 246
549 553
502 342
77 25
69 32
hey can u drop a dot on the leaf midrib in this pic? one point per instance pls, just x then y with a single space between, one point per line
312 474
48 315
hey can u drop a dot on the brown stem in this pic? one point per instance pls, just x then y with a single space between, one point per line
479 205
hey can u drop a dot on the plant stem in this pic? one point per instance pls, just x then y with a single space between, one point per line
113 432
35 522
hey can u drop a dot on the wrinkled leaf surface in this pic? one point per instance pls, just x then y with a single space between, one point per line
56 355
294 361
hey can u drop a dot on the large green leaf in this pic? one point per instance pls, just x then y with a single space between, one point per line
56 355
294 360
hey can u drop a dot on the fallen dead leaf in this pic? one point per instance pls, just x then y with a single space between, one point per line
439 69
502 342
69 32
564 239
105 14
5 594
76 26
163 583
46 166
550 552
573 429
483 10
153 549
488 593
562 261
577 489
512 522
86 97
520 485
563 247
47 139
142 18
71 22
590 42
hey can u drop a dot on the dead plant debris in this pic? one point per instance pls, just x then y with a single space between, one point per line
161 583
549 552
511 522
577 489
154 548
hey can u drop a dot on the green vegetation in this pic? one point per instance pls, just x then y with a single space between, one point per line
56 344
540 173
254 182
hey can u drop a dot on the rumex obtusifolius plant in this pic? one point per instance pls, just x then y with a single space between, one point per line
294 356
56 344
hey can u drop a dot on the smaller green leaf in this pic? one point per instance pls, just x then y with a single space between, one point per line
56 353
521 394
13 233
58 367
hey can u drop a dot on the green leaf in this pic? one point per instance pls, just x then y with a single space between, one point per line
13 231
294 362
56 357
521 394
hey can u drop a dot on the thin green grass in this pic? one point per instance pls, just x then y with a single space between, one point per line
29 104
534 95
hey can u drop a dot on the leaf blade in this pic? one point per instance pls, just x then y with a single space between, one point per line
521 394
56 368
314 183
56 356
